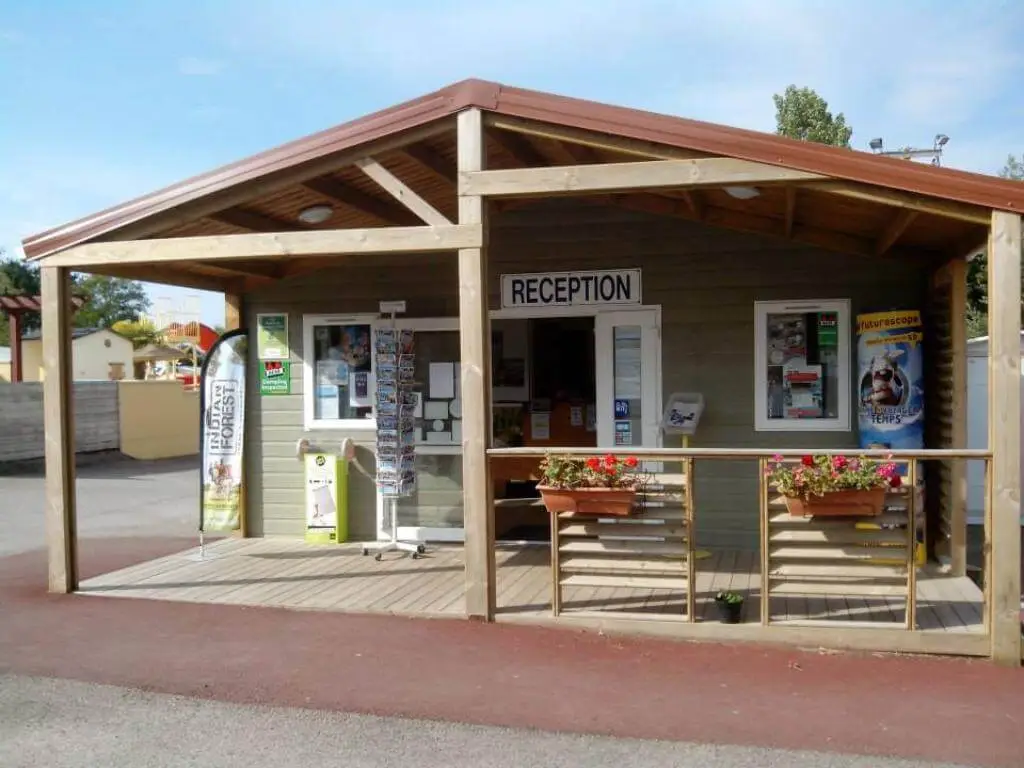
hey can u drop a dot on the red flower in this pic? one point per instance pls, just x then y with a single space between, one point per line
807 461
631 462
593 463
895 481
610 460
610 471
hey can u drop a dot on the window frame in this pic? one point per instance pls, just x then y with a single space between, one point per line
843 423
309 378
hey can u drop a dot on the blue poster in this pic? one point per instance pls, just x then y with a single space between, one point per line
890 365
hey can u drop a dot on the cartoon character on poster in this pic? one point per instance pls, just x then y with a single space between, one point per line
890 358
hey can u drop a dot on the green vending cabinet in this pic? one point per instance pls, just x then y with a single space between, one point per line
326 498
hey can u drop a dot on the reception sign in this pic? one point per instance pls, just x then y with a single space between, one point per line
222 433
890 365
571 289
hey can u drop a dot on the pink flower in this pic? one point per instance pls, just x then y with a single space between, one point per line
854 465
777 458
838 462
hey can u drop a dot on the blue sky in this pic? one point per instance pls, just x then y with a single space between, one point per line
102 101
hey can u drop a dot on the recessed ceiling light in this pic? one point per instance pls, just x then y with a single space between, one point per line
316 214
742 193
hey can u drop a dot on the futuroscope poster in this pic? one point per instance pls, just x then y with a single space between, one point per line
890 364
222 433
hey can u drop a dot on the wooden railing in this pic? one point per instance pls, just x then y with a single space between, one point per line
817 558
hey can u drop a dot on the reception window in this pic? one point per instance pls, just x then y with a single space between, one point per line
802 366
339 386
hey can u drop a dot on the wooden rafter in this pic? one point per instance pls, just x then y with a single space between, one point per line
626 177
896 227
256 221
694 202
946 208
519 148
402 192
581 153
431 161
326 242
384 210
790 210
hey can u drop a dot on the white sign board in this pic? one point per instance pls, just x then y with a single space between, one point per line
571 289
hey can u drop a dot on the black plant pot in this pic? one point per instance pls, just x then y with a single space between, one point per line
730 612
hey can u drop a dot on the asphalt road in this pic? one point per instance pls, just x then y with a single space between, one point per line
117 496
63 724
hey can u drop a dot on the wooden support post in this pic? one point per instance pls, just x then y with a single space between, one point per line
15 330
59 426
1003 518
958 467
475 338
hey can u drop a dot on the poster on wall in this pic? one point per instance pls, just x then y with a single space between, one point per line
272 336
275 377
890 378
222 433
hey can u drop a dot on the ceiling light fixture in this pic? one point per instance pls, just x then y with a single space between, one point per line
742 193
316 214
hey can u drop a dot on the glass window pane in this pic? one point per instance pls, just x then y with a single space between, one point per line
802 376
342 369
627 351
437 500
439 415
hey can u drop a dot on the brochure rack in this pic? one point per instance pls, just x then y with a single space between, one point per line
396 447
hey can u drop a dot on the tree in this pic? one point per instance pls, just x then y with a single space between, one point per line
17 278
139 332
800 113
977 270
109 300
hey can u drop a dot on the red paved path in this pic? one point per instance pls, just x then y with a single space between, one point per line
941 709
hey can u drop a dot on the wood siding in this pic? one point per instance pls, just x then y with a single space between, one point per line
21 417
706 281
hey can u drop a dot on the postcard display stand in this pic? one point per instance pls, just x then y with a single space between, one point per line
396 449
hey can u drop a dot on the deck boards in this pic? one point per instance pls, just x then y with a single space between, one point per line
292 574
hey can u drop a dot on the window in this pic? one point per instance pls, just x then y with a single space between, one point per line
802 366
338 384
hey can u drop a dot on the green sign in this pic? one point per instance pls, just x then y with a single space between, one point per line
275 377
828 329
272 336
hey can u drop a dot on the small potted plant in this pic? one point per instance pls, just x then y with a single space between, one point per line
602 486
833 485
730 606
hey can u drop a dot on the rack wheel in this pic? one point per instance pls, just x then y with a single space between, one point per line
365 551
421 548
378 556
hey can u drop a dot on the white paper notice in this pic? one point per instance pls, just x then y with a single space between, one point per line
360 389
442 381
540 426
435 409
576 416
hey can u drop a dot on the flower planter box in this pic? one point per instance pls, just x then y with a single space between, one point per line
730 613
838 503
599 502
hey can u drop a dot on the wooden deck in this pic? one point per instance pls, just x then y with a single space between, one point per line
292 574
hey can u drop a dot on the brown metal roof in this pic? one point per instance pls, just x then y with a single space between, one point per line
893 173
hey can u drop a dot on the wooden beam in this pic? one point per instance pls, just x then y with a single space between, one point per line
255 221
430 161
519 148
1003 517
581 153
401 191
898 199
15 329
475 352
227 270
264 269
175 275
624 177
893 230
382 210
599 141
790 210
59 426
324 242
232 311
958 469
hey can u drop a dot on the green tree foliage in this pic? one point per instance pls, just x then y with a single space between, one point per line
977 271
139 332
800 113
109 300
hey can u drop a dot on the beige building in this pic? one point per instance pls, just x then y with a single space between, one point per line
5 363
98 354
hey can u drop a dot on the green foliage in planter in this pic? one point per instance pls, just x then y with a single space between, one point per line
729 598
820 474
572 472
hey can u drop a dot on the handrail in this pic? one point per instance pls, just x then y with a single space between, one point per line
654 454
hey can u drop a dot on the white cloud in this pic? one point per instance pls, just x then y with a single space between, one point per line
198 67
